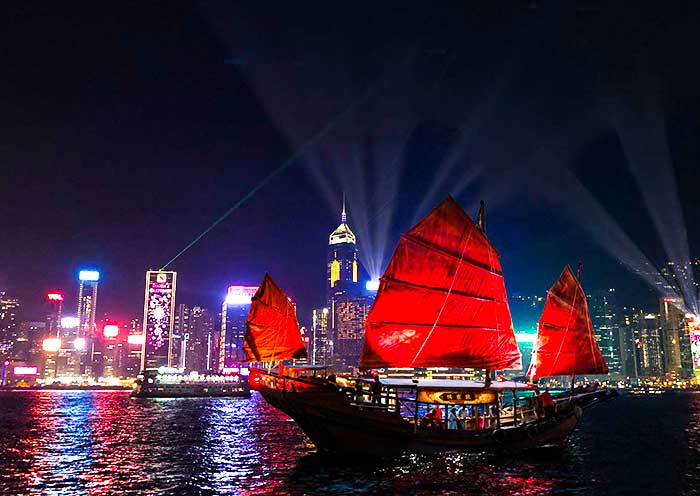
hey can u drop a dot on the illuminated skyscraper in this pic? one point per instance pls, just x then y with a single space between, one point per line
201 341
234 313
87 302
158 319
181 334
320 346
341 267
348 322
8 323
602 306
676 341
347 305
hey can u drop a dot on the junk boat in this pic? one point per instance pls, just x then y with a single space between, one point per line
441 303
167 382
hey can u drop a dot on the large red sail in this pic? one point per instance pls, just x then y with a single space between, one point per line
565 342
442 300
272 331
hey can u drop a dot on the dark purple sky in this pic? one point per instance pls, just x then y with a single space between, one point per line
128 130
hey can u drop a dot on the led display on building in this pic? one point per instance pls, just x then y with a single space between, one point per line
694 333
158 317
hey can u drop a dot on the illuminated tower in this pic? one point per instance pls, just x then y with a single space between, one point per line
234 313
346 303
342 260
86 330
87 302
158 319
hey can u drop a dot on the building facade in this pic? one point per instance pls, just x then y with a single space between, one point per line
234 314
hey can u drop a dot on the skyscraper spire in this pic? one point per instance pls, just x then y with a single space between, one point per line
343 216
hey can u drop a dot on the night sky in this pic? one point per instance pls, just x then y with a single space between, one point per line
128 129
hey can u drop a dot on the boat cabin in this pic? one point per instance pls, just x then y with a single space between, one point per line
427 403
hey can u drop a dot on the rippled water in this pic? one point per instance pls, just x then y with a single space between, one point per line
107 443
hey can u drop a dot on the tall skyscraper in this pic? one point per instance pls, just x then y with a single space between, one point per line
158 319
86 330
320 344
181 334
676 340
341 267
202 342
602 306
87 302
8 323
347 304
234 313
642 347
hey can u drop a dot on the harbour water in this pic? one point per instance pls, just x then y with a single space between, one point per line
88 442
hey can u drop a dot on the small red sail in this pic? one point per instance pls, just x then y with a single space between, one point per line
272 331
442 300
565 342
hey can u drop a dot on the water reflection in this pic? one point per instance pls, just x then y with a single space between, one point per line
106 443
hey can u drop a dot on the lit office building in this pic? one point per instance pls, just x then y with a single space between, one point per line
158 319
320 349
8 323
602 307
86 330
201 341
234 313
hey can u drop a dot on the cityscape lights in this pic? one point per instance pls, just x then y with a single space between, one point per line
79 344
51 344
69 322
372 285
89 275
135 339
54 296
111 331
24 370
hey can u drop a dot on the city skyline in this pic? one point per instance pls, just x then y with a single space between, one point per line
107 188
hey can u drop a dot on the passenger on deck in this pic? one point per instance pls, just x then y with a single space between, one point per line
462 417
452 420
429 419
478 419
376 391
359 392
547 403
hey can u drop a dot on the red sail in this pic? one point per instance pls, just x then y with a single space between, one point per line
442 300
565 342
272 331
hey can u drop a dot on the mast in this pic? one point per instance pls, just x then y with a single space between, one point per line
481 219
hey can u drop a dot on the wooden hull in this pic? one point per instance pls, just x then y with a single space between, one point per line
335 424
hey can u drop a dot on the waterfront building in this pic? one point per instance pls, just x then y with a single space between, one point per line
348 304
131 365
678 360
643 346
202 341
320 349
181 334
234 313
9 308
348 316
602 307
86 329
158 319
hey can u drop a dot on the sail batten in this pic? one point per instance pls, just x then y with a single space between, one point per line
272 330
565 343
442 300
456 256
